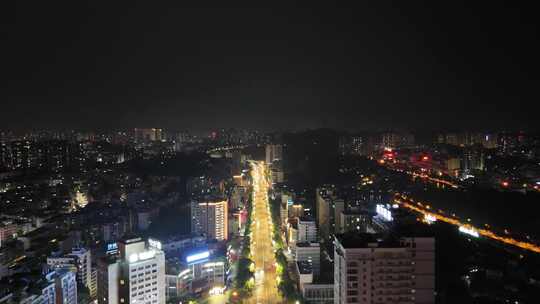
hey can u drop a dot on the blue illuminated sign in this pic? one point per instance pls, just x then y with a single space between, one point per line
112 247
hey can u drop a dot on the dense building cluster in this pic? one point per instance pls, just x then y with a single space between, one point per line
78 214
154 216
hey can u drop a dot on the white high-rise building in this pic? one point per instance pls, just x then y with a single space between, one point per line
66 286
136 275
80 259
307 230
273 153
210 217
370 270
59 286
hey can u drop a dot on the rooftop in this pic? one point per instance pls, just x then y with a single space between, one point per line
306 219
366 240
305 267
307 244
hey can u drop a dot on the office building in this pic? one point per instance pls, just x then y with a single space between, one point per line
307 230
135 275
368 269
210 217
329 209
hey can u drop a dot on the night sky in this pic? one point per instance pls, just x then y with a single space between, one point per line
405 65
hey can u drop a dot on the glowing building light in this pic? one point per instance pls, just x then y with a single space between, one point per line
147 255
198 256
184 272
133 258
384 213
154 243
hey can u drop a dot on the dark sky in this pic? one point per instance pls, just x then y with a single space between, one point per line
405 65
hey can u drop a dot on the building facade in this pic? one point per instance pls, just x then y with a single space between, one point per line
135 275
329 209
210 217
370 270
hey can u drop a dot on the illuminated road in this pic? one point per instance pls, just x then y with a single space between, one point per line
425 177
432 179
262 251
426 211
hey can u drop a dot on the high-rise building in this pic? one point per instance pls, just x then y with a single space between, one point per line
65 285
355 220
278 176
329 208
26 154
296 210
368 269
143 136
209 217
354 144
473 159
309 252
452 165
395 140
135 275
59 286
307 230
80 260
283 212
489 141
273 153
5 156
56 155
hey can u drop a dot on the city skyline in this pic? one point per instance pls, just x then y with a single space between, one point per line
318 153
